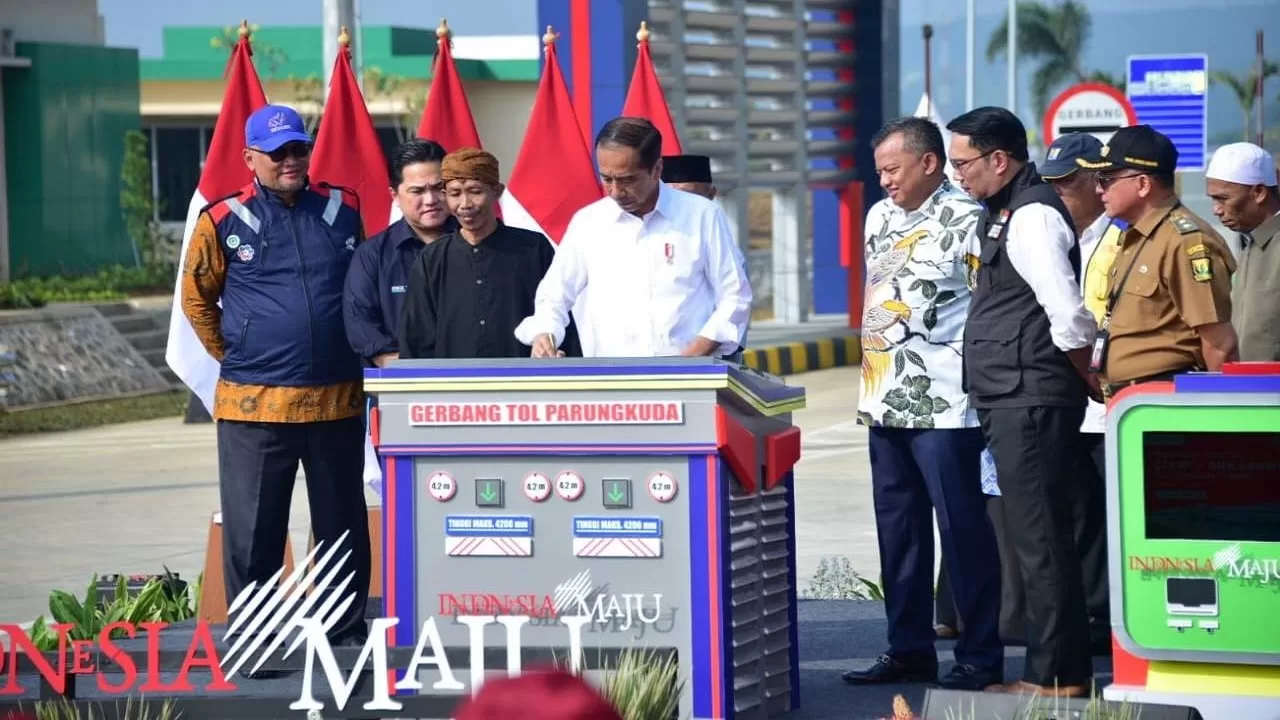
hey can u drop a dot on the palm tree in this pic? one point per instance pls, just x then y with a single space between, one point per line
1244 87
1056 36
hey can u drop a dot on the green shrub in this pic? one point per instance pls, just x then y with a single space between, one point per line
160 600
112 283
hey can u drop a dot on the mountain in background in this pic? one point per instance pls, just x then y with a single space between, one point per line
1225 34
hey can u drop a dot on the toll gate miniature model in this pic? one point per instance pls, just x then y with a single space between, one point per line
1194 513
655 496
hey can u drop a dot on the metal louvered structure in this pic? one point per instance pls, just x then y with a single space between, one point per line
746 84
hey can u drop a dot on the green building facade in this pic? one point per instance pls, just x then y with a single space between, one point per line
65 119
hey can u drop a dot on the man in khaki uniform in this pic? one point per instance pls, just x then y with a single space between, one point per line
1241 181
1169 307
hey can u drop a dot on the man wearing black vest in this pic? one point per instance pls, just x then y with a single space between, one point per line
1027 346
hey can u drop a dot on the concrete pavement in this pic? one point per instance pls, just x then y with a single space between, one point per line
136 498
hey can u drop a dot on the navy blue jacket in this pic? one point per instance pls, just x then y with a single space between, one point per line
375 288
282 297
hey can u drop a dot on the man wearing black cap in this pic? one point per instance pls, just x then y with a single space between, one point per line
1026 357
1169 307
692 173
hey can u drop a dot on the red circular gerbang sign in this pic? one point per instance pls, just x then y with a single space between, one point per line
1095 108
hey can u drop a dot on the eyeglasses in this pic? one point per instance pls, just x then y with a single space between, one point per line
288 150
962 165
1106 181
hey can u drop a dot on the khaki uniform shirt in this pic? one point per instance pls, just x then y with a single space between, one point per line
1180 280
1255 298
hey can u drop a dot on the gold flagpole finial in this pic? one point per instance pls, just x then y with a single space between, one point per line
443 32
344 37
643 34
549 38
244 28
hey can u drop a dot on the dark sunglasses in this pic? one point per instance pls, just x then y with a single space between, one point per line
1106 181
289 150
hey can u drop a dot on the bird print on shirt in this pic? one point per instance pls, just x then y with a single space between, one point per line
876 347
890 264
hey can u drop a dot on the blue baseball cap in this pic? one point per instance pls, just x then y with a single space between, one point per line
272 126
1060 158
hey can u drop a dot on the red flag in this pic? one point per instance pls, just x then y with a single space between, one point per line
224 172
348 152
554 175
446 117
645 98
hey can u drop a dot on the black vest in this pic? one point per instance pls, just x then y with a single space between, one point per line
1009 356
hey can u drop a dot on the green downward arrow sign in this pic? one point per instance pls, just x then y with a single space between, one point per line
616 494
488 493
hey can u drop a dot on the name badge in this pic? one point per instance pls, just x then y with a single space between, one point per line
398 288
1099 357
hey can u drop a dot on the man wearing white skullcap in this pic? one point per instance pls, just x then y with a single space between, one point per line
1243 185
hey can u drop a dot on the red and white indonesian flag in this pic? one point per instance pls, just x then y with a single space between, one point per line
554 175
645 98
347 152
446 115
224 172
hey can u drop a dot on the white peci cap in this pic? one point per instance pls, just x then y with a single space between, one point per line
1242 163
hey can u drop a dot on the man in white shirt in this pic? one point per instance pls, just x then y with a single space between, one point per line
924 439
657 269
1099 243
1027 347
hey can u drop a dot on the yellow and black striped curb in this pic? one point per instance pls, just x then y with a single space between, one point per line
798 357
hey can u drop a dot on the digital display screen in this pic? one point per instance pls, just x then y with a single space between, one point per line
1212 486
1191 593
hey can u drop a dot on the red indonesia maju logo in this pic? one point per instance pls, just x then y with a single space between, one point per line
265 617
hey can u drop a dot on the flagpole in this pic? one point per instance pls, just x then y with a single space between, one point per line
1262 62
1012 52
337 14
928 70
970 40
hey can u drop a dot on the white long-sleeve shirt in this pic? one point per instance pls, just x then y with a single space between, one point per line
649 286
1038 243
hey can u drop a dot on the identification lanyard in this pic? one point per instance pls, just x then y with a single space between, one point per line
1101 341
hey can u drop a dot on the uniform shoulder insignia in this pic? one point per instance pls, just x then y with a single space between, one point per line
1201 269
1185 225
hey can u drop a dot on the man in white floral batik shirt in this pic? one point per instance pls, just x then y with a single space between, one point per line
925 443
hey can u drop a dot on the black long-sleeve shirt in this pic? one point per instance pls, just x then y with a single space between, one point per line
465 301
377 282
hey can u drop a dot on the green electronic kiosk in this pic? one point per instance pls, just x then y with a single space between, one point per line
1194 542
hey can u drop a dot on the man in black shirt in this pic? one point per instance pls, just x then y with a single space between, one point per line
470 289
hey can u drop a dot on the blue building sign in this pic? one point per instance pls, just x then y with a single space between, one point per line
1171 94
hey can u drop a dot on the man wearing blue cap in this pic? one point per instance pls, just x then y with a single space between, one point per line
275 255
1099 243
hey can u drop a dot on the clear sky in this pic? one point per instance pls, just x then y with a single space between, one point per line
138 23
